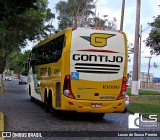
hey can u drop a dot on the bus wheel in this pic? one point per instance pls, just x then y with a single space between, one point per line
32 99
54 112
47 108
48 104
125 110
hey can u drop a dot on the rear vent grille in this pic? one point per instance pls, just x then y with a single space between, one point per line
97 68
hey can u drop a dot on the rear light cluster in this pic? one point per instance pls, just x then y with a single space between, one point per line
123 89
67 91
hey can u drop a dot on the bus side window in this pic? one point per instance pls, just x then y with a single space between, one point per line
48 53
56 47
33 58
63 42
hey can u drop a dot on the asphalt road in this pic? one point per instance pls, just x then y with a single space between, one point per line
22 115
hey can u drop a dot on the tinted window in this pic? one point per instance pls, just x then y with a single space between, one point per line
49 52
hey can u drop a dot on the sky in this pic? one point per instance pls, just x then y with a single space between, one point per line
112 8
149 9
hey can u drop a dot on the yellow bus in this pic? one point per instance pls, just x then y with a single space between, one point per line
80 69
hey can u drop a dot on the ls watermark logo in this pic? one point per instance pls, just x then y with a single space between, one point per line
142 121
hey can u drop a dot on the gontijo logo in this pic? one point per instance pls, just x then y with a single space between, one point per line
98 39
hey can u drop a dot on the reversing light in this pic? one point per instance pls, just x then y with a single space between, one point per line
66 92
121 95
127 98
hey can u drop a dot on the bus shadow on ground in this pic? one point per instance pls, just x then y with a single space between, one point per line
74 116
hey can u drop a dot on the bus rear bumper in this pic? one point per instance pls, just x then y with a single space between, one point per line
93 106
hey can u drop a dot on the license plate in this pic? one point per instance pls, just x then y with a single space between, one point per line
96 105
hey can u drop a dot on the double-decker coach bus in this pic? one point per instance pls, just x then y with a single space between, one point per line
80 69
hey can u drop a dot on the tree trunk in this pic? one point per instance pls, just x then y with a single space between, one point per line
2 64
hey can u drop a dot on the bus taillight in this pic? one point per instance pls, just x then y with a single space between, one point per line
67 87
124 84
123 89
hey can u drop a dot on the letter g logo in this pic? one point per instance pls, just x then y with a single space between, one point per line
99 39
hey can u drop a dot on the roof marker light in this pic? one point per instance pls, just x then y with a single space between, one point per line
120 31
74 28
98 28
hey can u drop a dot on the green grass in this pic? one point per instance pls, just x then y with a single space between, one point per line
143 92
143 103
144 108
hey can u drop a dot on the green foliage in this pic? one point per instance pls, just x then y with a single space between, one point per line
98 22
145 104
130 51
144 108
20 21
143 92
74 12
80 13
17 61
153 41
11 8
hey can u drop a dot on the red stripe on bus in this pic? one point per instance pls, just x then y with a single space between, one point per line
95 50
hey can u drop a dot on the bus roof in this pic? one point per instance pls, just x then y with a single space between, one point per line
73 28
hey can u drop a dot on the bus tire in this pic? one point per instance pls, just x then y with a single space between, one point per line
47 108
54 112
32 99
48 103
29 92
125 110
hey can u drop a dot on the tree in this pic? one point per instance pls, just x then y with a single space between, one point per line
21 20
130 51
105 23
153 41
80 13
17 61
74 12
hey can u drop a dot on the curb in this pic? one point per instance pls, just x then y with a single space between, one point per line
1 87
1 124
